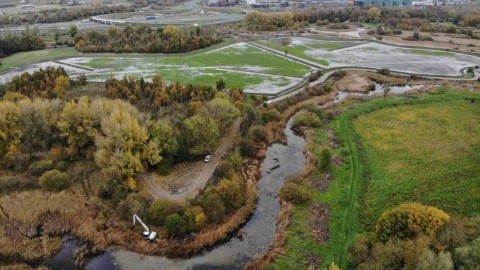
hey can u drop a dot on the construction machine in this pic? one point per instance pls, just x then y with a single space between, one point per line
150 235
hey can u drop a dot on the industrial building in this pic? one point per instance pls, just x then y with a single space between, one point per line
386 3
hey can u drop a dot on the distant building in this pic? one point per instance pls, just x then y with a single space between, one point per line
385 3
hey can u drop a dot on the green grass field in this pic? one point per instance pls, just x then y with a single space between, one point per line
240 66
424 153
25 58
395 150
299 50
244 58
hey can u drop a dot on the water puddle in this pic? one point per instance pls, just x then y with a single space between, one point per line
379 90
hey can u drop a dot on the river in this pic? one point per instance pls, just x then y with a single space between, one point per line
258 232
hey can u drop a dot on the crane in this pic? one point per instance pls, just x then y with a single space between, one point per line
147 233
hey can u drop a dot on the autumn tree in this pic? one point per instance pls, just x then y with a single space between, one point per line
39 118
123 148
78 125
62 85
10 130
374 13
202 135
163 135
222 111
409 220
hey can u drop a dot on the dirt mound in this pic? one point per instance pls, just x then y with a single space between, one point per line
355 83
319 224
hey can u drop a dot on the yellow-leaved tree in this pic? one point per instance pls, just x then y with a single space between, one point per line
123 148
62 85
10 130
78 125
409 220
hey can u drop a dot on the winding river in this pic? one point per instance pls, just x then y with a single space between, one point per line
258 234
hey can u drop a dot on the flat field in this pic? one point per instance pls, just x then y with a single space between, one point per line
25 58
423 149
240 65
301 46
425 153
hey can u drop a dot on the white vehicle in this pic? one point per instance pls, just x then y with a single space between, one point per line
150 235
270 101
207 158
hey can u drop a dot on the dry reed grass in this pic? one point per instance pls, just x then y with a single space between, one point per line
355 82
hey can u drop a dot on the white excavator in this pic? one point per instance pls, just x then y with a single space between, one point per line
150 235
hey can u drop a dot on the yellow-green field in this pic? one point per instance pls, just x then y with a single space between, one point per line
424 149
428 153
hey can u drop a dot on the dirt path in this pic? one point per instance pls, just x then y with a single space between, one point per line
199 180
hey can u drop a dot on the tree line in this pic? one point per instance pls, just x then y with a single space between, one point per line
51 82
123 140
405 19
144 39
62 14
27 41
158 93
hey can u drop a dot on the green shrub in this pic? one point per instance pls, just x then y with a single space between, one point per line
270 114
257 133
409 220
54 180
431 261
313 107
41 166
175 225
247 148
119 193
230 193
134 204
236 159
384 71
225 169
161 209
306 119
294 193
195 218
325 159
468 257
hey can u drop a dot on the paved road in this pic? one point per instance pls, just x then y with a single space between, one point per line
201 179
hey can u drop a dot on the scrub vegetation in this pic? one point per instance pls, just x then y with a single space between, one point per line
378 150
